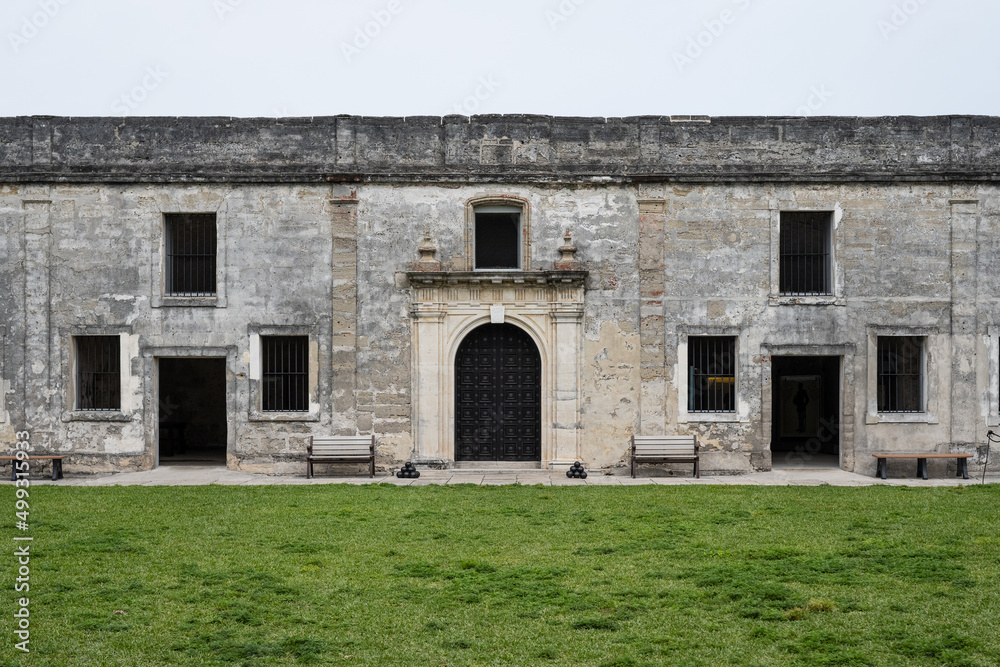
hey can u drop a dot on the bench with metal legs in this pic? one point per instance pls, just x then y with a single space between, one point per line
57 471
962 459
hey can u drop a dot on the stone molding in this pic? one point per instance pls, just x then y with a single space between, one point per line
447 306
479 279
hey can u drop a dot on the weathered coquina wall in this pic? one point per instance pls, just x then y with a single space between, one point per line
675 221
84 259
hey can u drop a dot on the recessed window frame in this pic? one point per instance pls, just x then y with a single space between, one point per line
284 373
478 233
798 253
98 373
158 260
931 383
316 358
496 203
129 402
786 203
712 361
901 374
190 250
740 412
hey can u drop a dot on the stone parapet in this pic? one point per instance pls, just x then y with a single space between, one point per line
499 149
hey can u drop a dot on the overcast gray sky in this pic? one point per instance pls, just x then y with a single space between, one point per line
564 57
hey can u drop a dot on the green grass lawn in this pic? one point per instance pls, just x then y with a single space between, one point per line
518 575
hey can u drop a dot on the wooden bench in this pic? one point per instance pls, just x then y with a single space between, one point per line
961 459
665 449
56 464
341 449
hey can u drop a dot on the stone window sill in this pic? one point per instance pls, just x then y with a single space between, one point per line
825 300
902 418
256 416
95 416
190 302
711 417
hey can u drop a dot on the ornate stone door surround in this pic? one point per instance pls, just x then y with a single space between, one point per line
446 306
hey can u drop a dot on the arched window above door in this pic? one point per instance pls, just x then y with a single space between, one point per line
497 233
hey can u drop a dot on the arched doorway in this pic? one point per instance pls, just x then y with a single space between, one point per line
498 389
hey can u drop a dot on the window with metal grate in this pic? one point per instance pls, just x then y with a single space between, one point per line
498 238
98 373
286 373
901 374
806 254
190 254
712 374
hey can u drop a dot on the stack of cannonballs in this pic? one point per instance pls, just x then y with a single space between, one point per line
408 471
576 471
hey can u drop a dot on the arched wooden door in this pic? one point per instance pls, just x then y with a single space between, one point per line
498 387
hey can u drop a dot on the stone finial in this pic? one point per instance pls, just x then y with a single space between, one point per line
567 260
427 250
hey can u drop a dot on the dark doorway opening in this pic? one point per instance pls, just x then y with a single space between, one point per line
805 424
192 411
498 387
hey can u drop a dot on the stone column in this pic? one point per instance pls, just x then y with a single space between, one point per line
344 316
41 349
568 332
428 372
965 400
652 363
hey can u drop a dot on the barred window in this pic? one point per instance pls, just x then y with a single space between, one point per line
190 254
498 237
98 373
712 374
900 374
286 373
806 257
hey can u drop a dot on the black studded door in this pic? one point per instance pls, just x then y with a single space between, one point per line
498 396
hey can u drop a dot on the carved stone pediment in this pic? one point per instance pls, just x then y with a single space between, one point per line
463 288
419 278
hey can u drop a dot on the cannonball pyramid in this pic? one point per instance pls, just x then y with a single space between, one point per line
408 471
576 471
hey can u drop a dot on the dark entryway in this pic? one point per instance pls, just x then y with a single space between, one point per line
498 396
805 425
192 410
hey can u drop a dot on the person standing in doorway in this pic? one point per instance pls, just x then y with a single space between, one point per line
801 400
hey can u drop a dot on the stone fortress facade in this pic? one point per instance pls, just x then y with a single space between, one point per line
526 289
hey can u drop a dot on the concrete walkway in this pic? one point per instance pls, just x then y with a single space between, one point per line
194 475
